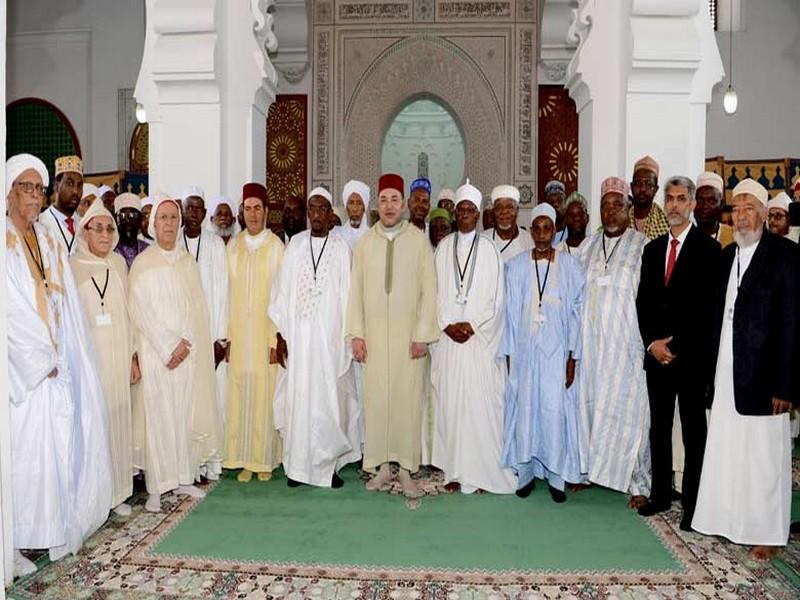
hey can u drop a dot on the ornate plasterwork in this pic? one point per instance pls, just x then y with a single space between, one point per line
555 71
479 58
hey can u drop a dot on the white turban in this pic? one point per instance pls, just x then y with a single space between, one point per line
781 201
321 191
447 194
543 209
749 186
89 189
19 163
469 193
505 191
356 187
146 201
103 189
127 200
193 190
217 201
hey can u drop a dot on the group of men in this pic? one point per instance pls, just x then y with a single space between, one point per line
192 339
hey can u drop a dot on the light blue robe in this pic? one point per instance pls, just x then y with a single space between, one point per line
541 424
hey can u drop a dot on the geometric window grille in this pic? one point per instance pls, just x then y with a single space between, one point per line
38 127
422 164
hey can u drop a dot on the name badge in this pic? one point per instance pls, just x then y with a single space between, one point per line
461 299
539 318
604 281
102 320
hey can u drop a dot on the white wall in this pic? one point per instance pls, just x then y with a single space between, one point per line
77 54
766 76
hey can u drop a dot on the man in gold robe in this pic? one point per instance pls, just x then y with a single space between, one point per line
391 319
254 257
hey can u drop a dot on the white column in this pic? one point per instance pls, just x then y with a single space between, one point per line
641 78
206 84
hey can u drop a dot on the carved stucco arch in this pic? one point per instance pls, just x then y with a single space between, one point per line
415 67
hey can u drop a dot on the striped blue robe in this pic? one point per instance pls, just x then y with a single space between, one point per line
541 419
612 390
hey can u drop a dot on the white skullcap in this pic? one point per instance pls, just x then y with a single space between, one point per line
217 201
19 163
469 193
146 201
89 189
321 191
781 200
711 179
447 194
103 189
193 190
749 186
543 209
127 200
355 187
505 191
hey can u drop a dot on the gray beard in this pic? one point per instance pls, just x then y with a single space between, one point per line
223 232
506 228
746 238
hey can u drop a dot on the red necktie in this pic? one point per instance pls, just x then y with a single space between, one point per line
673 257
70 226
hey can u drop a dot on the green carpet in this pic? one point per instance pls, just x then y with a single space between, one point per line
269 522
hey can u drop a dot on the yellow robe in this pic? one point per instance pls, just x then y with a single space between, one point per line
393 303
111 331
251 440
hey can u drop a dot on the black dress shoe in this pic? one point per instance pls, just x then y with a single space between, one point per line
524 492
794 528
336 481
293 483
686 524
558 496
653 508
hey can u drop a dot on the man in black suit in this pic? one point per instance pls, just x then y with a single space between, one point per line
675 304
746 487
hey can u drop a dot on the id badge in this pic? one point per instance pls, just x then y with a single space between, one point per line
102 320
461 299
539 318
604 281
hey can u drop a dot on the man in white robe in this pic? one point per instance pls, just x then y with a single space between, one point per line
612 390
355 197
182 428
468 379
510 238
208 251
61 465
745 490
314 413
222 218
61 218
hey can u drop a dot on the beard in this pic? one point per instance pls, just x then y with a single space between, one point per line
746 238
223 231
505 227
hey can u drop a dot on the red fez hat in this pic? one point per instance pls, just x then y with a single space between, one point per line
391 180
254 190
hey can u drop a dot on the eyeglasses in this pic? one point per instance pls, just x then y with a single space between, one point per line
31 188
100 230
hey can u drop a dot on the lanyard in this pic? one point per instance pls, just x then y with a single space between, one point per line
609 256
186 243
458 274
539 284
315 263
508 243
40 261
738 270
63 235
103 293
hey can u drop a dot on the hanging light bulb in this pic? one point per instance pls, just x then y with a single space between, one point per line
730 102
141 115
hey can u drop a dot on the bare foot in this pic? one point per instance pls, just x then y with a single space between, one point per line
265 475
763 553
244 476
410 489
637 502
383 477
